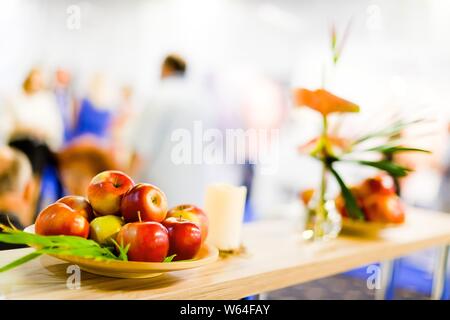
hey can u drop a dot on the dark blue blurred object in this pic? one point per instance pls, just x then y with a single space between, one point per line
51 187
64 101
92 120
248 182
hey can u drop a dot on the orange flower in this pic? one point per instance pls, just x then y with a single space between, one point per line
323 101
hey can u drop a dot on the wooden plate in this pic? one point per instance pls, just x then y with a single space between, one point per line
365 227
133 269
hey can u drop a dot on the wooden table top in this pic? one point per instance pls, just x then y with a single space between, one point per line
275 257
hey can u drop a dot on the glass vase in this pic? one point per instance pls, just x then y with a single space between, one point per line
323 221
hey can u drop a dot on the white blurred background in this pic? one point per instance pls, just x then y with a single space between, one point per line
397 56
396 48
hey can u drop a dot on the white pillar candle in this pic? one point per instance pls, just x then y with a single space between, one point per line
224 206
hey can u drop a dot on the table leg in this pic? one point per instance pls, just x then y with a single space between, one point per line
439 274
386 273
259 296
263 296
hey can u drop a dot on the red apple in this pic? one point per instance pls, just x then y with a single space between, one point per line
192 213
106 190
382 183
340 204
80 205
384 208
185 238
149 241
60 219
144 202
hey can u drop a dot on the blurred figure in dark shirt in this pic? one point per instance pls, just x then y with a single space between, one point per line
15 190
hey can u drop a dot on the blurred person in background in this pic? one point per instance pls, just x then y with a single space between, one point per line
15 190
95 114
176 104
80 161
36 129
65 100
122 128
6 122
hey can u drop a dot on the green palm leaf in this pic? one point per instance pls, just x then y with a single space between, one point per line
390 167
386 149
388 131
350 201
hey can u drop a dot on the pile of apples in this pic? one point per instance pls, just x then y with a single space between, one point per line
377 199
131 214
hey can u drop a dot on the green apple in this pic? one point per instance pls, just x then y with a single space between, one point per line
105 228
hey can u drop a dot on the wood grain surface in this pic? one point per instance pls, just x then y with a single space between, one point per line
275 257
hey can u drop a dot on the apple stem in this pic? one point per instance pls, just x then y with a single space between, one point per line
139 216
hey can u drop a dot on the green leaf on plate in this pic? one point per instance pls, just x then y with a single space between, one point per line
57 245
122 250
20 261
169 258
